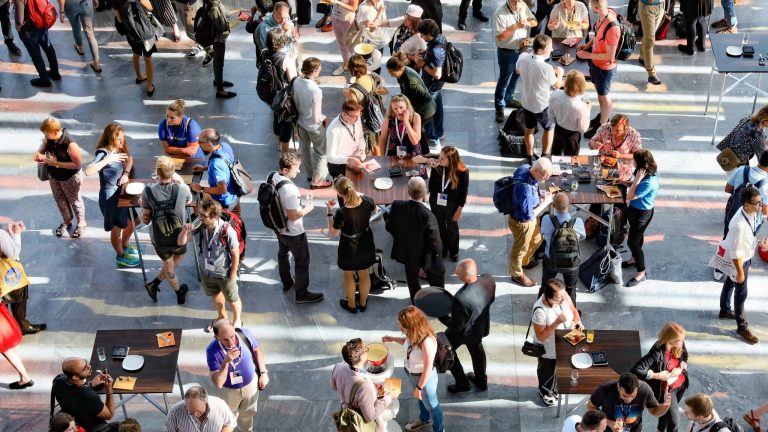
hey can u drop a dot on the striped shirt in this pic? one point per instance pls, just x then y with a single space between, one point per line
219 415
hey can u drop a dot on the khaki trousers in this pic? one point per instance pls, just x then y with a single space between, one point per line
526 238
650 19
242 402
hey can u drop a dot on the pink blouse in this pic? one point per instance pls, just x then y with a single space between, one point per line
603 141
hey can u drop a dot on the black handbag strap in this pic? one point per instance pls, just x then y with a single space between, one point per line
531 321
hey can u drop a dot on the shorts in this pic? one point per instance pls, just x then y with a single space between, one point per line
283 130
215 286
530 119
166 254
138 48
601 78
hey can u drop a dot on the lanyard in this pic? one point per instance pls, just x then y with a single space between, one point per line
211 239
235 362
624 415
171 135
195 422
600 23
626 136
744 214
444 183
397 132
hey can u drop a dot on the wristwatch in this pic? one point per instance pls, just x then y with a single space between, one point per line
263 372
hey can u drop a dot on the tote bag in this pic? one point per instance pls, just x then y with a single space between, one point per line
12 276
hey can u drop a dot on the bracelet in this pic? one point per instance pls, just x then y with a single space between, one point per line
329 215
420 388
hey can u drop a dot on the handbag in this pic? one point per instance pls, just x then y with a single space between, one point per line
42 172
721 263
728 160
530 348
12 276
602 269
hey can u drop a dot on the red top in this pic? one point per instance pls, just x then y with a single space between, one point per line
603 39
672 363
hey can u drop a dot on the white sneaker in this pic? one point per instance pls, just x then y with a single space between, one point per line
207 60
418 424
339 71
194 52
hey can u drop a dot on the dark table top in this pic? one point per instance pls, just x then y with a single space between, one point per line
587 193
144 168
159 372
726 64
622 347
364 181
579 65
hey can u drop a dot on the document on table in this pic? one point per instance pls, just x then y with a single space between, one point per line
371 165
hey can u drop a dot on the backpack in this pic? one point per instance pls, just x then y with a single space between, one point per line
373 105
454 63
564 254
503 199
618 233
205 32
284 105
137 21
627 40
678 23
734 203
42 13
270 78
444 357
270 206
348 419
238 225
166 222
238 175
378 275
727 422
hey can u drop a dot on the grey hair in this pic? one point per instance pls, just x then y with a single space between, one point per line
417 188
196 392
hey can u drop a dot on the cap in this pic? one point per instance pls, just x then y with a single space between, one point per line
414 11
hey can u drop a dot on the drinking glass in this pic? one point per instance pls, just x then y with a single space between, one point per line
596 165
309 196
618 425
574 185
101 354
590 336
196 223
401 152
575 377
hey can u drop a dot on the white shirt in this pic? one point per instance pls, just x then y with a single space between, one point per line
309 103
741 241
704 427
755 175
569 112
545 315
570 423
290 198
579 13
378 37
343 140
537 77
504 18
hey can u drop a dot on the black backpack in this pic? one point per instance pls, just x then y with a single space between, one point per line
379 279
444 357
373 106
727 422
564 253
284 106
270 79
270 206
627 39
238 175
454 63
205 32
166 222
503 190
137 21
679 24
734 203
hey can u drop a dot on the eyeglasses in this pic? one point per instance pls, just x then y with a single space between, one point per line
205 216
757 204
85 368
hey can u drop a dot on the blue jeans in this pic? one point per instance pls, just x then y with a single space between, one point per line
729 10
739 291
505 87
80 16
34 39
435 128
433 411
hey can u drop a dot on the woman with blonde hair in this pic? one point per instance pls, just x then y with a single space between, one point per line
62 157
420 345
113 162
356 252
401 128
570 112
665 368
178 132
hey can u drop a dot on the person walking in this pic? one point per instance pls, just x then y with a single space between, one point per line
35 39
345 30
10 250
477 13
641 196
651 12
7 29
512 23
727 25
311 123
80 16
138 48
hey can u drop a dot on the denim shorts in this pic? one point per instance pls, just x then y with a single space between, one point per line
601 78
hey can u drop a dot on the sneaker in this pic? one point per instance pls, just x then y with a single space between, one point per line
207 60
747 335
339 71
194 52
130 250
434 145
549 400
181 294
653 79
717 275
722 23
309 297
127 260
418 424
12 48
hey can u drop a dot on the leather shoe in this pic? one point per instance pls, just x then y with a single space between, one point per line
34 328
54 75
17 386
482 386
634 282
454 388
531 264
523 280
225 95
499 115
684 49
627 264
747 335
345 305
462 25
12 48
223 84
480 16
730 315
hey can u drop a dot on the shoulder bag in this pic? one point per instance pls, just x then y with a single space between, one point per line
530 348
348 419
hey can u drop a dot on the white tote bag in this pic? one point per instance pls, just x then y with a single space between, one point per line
722 262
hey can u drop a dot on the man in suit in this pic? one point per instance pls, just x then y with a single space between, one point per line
416 236
469 323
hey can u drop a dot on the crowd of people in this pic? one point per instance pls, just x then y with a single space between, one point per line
424 225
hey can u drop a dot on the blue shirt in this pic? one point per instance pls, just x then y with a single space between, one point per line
645 193
434 57
268 24
175 136
245 365
525 194
756 174
218 171
108 177
547 229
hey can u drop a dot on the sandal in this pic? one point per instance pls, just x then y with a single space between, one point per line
60 230
209 327
752 421
79 231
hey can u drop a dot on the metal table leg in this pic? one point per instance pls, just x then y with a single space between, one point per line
709 91
754 102
122 404
181 385
132 217
719 103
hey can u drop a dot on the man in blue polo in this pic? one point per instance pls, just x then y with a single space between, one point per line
221 187
232 358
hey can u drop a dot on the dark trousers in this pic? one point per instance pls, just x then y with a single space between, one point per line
670 420
17 300
570 278
543 9
545 372
479 362
565 142
477 6
34 39
219 48
434 277
299 248
638 222
696 27
5 21
449 230
739 291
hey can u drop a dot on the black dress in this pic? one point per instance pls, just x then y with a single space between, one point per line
356 248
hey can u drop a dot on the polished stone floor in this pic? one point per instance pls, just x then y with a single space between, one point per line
76 288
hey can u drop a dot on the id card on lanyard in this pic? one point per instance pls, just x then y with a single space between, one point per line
235 376
210 263
442 197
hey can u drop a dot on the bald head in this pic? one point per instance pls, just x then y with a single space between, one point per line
225 333
466 270
76 368
541 169
561 202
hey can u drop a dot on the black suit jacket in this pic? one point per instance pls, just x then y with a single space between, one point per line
470 319
415 232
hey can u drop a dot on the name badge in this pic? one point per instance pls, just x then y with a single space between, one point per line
442 199
235 378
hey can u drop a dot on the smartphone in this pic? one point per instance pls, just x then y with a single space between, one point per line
244 16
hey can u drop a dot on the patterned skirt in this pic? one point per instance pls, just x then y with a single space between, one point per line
164 12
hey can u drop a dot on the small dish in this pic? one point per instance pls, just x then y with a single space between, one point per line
134 188
133 363
734 51
581 360
383 183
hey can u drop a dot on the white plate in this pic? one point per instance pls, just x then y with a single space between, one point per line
383 183
581 360
135 188
133 363
734 51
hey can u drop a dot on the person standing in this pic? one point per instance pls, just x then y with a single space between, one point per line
178 132
641 196
34 39
238 370
727 25
616 138
311 123
740 245
158 202
76 396
477 12
401 128
10 249
345 30
665 369
568 18
222 27
431 65
62 157
651 12
5 24
222 187
113 162
345 142
469 323
279 17
512 23
80 16
549 225
138 48
365 84
406 38
696 13
420 345
416 237
569 110
623 402
413 87
275 51
293 240
200 412
9 340
700 412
